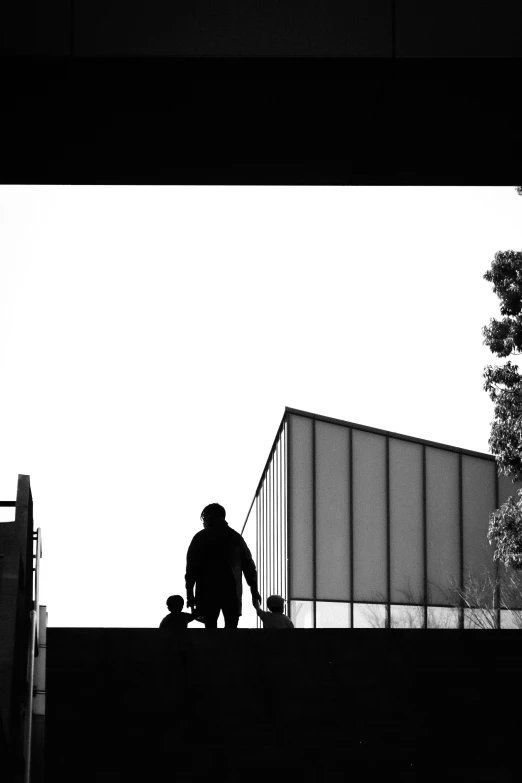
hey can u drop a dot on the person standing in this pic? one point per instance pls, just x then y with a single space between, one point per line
217 558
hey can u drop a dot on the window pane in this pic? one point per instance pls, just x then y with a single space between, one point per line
369 616
407 617
442 617
510 588
480 619
332 614
369 516
332 511
301 537
478 495
442 499
511 621
301 614
406 533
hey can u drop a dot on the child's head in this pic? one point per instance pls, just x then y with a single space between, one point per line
175 603
275 603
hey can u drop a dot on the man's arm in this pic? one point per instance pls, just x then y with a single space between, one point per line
259 611
190 574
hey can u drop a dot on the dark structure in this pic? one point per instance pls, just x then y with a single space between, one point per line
356 526
360 28
255 705
22 642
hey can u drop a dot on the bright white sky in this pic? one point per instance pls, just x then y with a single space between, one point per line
152 336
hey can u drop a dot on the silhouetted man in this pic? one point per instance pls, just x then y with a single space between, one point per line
216 559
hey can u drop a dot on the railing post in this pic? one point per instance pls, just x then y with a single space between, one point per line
29 701
32 653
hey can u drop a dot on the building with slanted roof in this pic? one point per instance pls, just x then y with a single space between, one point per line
359 527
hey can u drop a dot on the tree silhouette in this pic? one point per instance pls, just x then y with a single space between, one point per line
503 383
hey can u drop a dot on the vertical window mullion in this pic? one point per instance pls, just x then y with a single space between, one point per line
498 572
284 521
350 522
281 571
388 537
461 537
314 531
264 536
276 520
425 537
288 467
257 547
271 529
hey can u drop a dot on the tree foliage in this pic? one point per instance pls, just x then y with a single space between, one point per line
505 530
503 383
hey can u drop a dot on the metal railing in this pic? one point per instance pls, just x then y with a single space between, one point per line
270 501
32 653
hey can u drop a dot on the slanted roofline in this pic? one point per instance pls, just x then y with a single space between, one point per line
409 438
364 428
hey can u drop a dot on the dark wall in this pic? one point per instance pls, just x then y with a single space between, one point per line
16 602
317 28
128 705
199 122
458 28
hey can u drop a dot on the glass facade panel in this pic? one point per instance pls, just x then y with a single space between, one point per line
302 614
332 512
480 619
369 616
510 588
406 522
301 507
478 491
332 614
407 616
443 523
369 516
510 621
443 617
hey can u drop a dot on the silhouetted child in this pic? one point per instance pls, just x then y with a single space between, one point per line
177 620
275 617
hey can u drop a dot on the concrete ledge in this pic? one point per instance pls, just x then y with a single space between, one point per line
462 28
247 703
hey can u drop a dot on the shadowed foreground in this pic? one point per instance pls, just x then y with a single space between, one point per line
253 705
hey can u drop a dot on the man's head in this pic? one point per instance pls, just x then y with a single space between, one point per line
275 603
212 513
175 603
